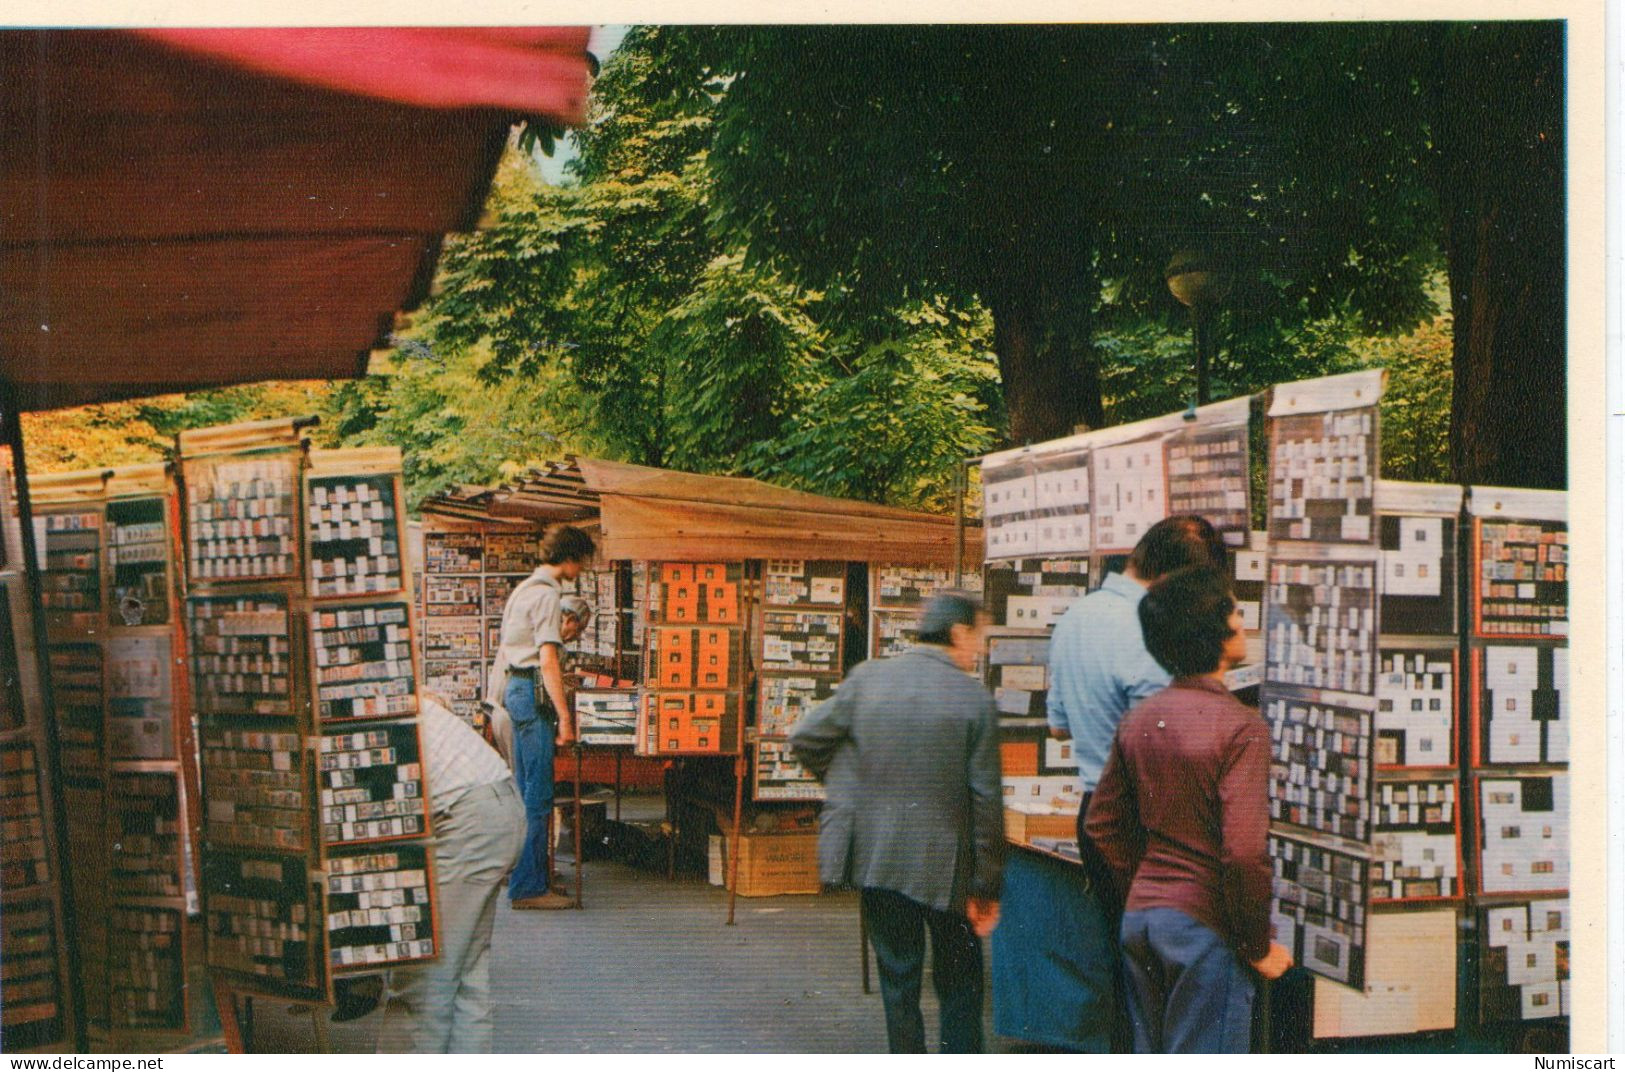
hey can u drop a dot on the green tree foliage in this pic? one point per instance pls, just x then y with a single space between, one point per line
131 433
455 427
1036 168
676 352
1326 166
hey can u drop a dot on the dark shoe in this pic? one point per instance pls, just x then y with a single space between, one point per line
355 998
552 899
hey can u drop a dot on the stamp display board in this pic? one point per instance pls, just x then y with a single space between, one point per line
1319 907
362 659
1039 774
607 716
1209 475
32 1009
307 697
1523 960
1323 476
1521 584
147 834
695 660
1033 591
1416 841
455 635
1320 770
353 536
802 629
36 1010
263 921
1320 693
71 580
242 517
380 909
1523 833
138 558
146 969
1419 575
372 784
1520 705
140 697
1098 492
1416 703
896 594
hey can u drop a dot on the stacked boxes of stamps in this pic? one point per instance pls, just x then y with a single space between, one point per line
1319 693
316 810
151 760
692 703
457 629
802 630
68 531
1518 749
35 1007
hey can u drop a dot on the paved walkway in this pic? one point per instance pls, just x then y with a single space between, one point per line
649 966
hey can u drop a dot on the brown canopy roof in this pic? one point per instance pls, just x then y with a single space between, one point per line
196 208
649 514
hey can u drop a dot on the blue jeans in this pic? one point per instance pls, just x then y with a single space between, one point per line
1187 991
533 769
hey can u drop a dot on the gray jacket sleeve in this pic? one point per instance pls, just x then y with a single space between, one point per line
987 805
822 730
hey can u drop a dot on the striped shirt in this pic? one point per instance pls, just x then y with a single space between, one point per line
455 758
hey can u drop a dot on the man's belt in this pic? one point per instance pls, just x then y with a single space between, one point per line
524 671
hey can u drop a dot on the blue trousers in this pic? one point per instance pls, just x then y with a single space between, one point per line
533 769
1187 991
897 928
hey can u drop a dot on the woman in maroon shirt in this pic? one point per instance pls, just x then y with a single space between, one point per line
1180 815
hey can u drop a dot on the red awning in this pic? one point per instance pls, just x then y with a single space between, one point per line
181 209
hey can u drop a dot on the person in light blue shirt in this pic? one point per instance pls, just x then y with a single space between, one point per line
1098 663
1099 668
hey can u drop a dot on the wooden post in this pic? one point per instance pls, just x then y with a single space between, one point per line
617 785
733 848
225 1003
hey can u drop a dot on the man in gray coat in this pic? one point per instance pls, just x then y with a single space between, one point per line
909 755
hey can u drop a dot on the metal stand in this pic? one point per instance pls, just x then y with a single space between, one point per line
863 947
733 853
577 786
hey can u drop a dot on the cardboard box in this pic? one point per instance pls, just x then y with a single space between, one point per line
1021 827
775 863
716 870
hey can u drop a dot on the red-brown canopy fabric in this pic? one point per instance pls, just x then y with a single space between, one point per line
187 208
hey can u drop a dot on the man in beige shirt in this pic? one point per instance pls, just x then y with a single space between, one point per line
531 643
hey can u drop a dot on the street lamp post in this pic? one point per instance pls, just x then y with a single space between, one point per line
1195 279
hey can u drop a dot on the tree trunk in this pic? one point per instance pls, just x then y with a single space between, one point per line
1501 188
1051 381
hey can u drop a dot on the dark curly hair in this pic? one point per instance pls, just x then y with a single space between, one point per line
565 543
1176 542
1186 620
